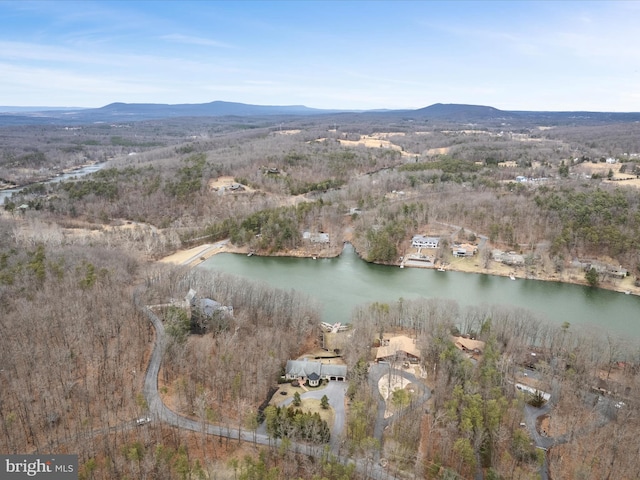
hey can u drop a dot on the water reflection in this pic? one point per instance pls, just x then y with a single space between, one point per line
342 283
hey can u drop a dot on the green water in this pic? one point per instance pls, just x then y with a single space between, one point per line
342 283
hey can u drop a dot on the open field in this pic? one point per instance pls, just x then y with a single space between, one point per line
602 169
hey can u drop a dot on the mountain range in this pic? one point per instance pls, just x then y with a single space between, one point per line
454 113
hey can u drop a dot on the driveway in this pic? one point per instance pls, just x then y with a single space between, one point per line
376 372
159 411
335 392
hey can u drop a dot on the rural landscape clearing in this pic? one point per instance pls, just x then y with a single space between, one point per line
190 373
319 240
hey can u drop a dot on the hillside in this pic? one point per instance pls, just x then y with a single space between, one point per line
450 113
547 200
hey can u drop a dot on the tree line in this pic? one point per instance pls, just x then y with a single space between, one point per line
473 422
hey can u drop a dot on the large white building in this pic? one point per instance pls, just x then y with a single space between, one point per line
420 241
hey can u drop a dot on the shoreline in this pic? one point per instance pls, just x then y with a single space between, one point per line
196 255
48 178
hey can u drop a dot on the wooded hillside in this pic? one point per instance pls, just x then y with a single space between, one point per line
74 348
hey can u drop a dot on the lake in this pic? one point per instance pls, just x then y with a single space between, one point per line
342 283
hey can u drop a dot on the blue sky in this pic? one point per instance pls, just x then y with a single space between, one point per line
512 55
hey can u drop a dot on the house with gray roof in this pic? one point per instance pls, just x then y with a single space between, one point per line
207 314
311 371
209 307
330 371
508 258
206 306
422 241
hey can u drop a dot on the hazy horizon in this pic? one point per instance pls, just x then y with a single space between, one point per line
44 108
350 55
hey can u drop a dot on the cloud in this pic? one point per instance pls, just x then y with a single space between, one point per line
24 51
190 40
485 53
31 79
82 61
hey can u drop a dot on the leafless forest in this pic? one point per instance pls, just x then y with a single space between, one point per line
74 349
475 415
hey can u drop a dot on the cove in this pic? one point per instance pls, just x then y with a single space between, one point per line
80 172
342 283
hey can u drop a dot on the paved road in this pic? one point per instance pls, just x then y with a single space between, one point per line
335 392
204 252
159 411
376 372
604 407
531 415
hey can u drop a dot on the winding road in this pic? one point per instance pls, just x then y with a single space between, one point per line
159 411
335 391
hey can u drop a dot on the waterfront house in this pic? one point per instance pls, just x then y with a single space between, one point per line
508 258
398 348
464 250
468 345
421 241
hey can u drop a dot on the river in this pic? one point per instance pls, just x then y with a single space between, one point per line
342 283
80 172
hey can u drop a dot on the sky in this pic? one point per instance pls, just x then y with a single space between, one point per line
510 54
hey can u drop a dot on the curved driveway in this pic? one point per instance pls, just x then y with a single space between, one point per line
335 392
376 372
159 411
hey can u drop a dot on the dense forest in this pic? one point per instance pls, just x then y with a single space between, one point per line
75 346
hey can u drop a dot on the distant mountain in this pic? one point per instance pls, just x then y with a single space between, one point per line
452 111
212 109
440 113
149 111
480 114
123 112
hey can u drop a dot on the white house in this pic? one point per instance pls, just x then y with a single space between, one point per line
463 252
420 241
